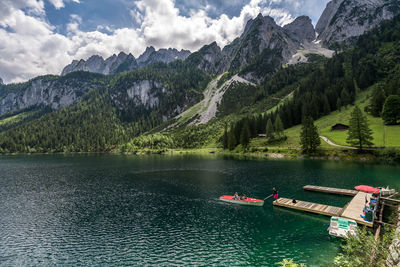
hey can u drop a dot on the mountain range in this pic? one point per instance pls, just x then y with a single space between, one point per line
123 62
166 88
341 21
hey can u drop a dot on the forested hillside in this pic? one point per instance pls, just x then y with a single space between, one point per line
138 109
107 116
374 62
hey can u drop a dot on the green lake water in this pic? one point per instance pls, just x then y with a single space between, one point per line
106 210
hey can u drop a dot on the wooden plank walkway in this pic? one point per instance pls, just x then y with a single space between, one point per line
330 190
309 207
354 209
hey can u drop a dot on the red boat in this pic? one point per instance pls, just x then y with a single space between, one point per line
367 189
247 201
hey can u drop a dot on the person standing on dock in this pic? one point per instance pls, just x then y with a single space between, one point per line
275 193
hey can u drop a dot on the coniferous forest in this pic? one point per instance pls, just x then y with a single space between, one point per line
324 85
106 118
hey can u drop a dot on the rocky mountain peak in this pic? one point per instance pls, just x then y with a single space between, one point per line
301 29
76 65
344 19
125 62
265 19
260 34
261 37
259 21
209 58
95 58
151 55
149 50
122 56
213 47
1 81
111 59
146 54
327 15
95 64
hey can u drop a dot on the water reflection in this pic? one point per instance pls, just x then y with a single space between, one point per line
161 210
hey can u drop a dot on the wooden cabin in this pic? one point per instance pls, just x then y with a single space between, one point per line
339 127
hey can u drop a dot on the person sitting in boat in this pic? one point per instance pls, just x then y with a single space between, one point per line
243 197
275 193
235 196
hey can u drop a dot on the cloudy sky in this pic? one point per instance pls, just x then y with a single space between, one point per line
42 36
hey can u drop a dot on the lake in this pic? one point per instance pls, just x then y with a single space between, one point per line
80 210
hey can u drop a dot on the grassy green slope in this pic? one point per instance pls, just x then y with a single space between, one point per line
388 136
13 119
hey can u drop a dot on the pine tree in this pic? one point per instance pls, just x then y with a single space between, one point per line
231 140
245 135
391 110
252 127
225 137
278 126
326 105
345 97
359 134
259 124
270 130
377 101
338 104
309 137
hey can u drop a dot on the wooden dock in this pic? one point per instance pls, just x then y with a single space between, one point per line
352 210
309 207
330 190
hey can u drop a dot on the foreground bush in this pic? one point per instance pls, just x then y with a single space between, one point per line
389 155
357 250
290 263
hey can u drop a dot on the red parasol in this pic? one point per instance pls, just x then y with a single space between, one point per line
367 189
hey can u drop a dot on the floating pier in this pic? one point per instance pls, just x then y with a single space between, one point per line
309 207
330 190
353 210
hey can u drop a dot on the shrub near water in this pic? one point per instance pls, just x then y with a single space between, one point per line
389 155
156 141
356 250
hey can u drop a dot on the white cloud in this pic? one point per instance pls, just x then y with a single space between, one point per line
281 16
136 16
162 25
31 46
58 4
312 8
34 7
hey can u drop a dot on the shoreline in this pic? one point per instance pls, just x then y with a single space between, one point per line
273 154
276 153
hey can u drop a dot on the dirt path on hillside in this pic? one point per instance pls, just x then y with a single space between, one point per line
329 142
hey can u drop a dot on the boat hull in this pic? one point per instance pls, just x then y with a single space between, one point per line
386 191
342 227
246 202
